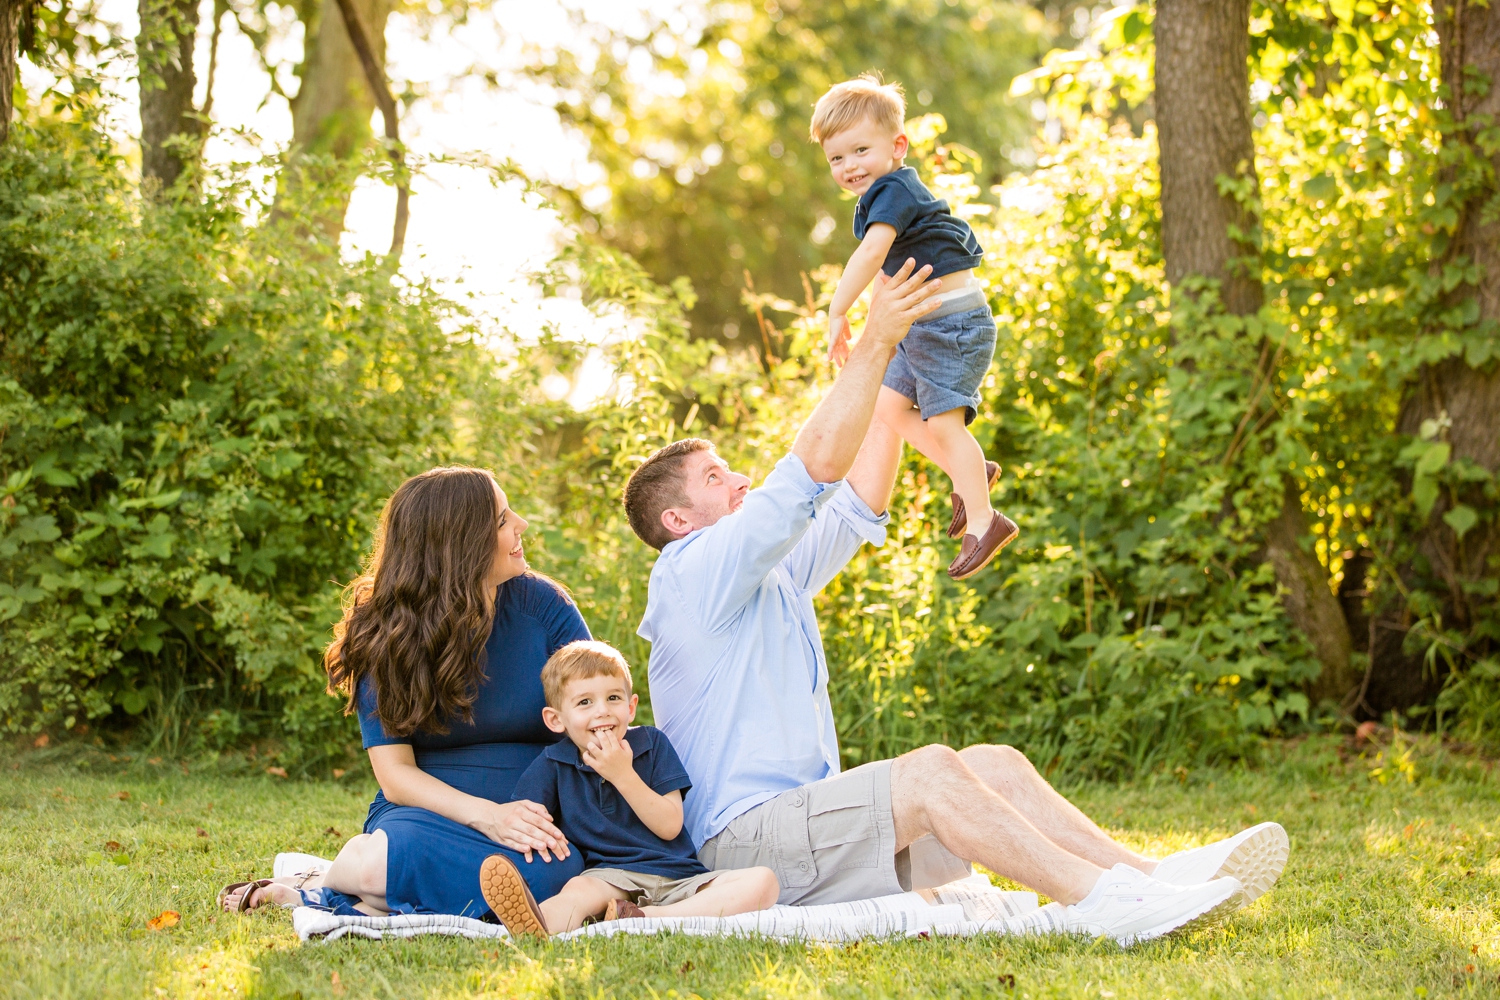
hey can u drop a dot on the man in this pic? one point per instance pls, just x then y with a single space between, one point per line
739 683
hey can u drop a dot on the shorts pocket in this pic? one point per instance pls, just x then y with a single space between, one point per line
842 828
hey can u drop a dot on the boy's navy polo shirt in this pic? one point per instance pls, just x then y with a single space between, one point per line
595 817
926 230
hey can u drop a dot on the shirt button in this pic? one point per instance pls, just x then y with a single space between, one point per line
803 866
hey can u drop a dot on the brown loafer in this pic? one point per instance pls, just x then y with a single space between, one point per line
505 890
623 909
960 516
977 552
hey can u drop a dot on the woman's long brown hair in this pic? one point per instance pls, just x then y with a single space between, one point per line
417 619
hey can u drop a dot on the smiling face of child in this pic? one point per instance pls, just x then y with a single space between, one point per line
590 705
863 153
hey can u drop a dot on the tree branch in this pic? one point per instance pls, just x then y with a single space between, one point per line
375 77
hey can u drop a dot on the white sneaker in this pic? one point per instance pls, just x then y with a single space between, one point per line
292 863
1130 907
1255 856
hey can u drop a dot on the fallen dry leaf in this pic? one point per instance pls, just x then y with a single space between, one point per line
112 845
41 741
337 984
279 772
338 773
331 832
123 796
1365 730
202 832
164 919
153 760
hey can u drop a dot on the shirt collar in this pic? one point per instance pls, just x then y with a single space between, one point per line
565 751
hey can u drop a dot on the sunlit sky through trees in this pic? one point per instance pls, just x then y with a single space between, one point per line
463 229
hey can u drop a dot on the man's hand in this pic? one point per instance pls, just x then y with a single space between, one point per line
838 340
898 302
610 756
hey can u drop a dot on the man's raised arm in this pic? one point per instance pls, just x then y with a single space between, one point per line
831 438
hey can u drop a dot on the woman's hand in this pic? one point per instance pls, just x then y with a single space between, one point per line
522 826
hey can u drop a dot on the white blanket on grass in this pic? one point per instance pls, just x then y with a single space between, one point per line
964 908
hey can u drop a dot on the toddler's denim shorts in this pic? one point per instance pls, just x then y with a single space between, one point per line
944 358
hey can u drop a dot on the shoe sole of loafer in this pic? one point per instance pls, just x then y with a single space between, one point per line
506 892
989 558
960 517
1258 862
1212 914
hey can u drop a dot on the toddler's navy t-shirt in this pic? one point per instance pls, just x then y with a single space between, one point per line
595 817
926 230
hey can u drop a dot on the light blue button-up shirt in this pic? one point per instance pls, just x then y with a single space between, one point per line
738 679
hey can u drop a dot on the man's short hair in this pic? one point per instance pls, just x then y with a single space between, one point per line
579 661
853 101
657 485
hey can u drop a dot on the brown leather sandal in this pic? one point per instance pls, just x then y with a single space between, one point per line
505 890
623 909
244 902
976 553
960 516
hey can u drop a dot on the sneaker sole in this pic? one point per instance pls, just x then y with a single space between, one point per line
1259 861
1211 914
506 893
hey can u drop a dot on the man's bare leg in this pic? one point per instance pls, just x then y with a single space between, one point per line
934 791
1008 773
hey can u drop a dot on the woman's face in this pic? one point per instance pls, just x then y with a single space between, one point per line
510 559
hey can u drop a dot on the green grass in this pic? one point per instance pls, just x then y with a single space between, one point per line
1392 890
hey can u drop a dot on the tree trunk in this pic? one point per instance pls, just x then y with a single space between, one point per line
10 28
164 51
1463 402
1204 132
331 113
1203 129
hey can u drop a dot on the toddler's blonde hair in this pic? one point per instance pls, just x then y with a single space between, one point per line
855 100
579 661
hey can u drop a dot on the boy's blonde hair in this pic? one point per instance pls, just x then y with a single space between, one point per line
578 661
855 100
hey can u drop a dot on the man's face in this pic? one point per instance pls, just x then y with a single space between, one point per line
863 153
713 493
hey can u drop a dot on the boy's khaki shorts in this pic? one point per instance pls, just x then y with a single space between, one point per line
833 841
652 890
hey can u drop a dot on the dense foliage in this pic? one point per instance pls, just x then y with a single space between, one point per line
201 416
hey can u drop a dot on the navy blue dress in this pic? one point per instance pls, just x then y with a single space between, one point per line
432 863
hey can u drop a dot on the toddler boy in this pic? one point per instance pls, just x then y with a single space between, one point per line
618 799
930 393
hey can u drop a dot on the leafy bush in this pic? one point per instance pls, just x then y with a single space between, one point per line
200 420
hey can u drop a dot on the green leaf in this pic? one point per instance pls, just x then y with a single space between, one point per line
1424 490
57 477
109 585
1461 519
1133 28
1434 458
1320 188
1087 640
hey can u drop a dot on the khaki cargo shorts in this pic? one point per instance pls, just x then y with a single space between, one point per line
833 841
652 890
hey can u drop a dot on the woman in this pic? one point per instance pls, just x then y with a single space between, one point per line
440 651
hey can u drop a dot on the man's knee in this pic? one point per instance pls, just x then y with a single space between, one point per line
982 756
934 762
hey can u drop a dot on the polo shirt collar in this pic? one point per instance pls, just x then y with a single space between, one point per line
565 751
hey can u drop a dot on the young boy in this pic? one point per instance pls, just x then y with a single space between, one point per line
931 389
617 799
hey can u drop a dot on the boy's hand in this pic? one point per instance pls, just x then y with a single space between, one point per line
838 340
610 755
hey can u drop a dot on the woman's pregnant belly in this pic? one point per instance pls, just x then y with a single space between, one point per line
485 770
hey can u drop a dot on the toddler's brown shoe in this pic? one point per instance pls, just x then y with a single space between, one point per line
975 553
960 516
